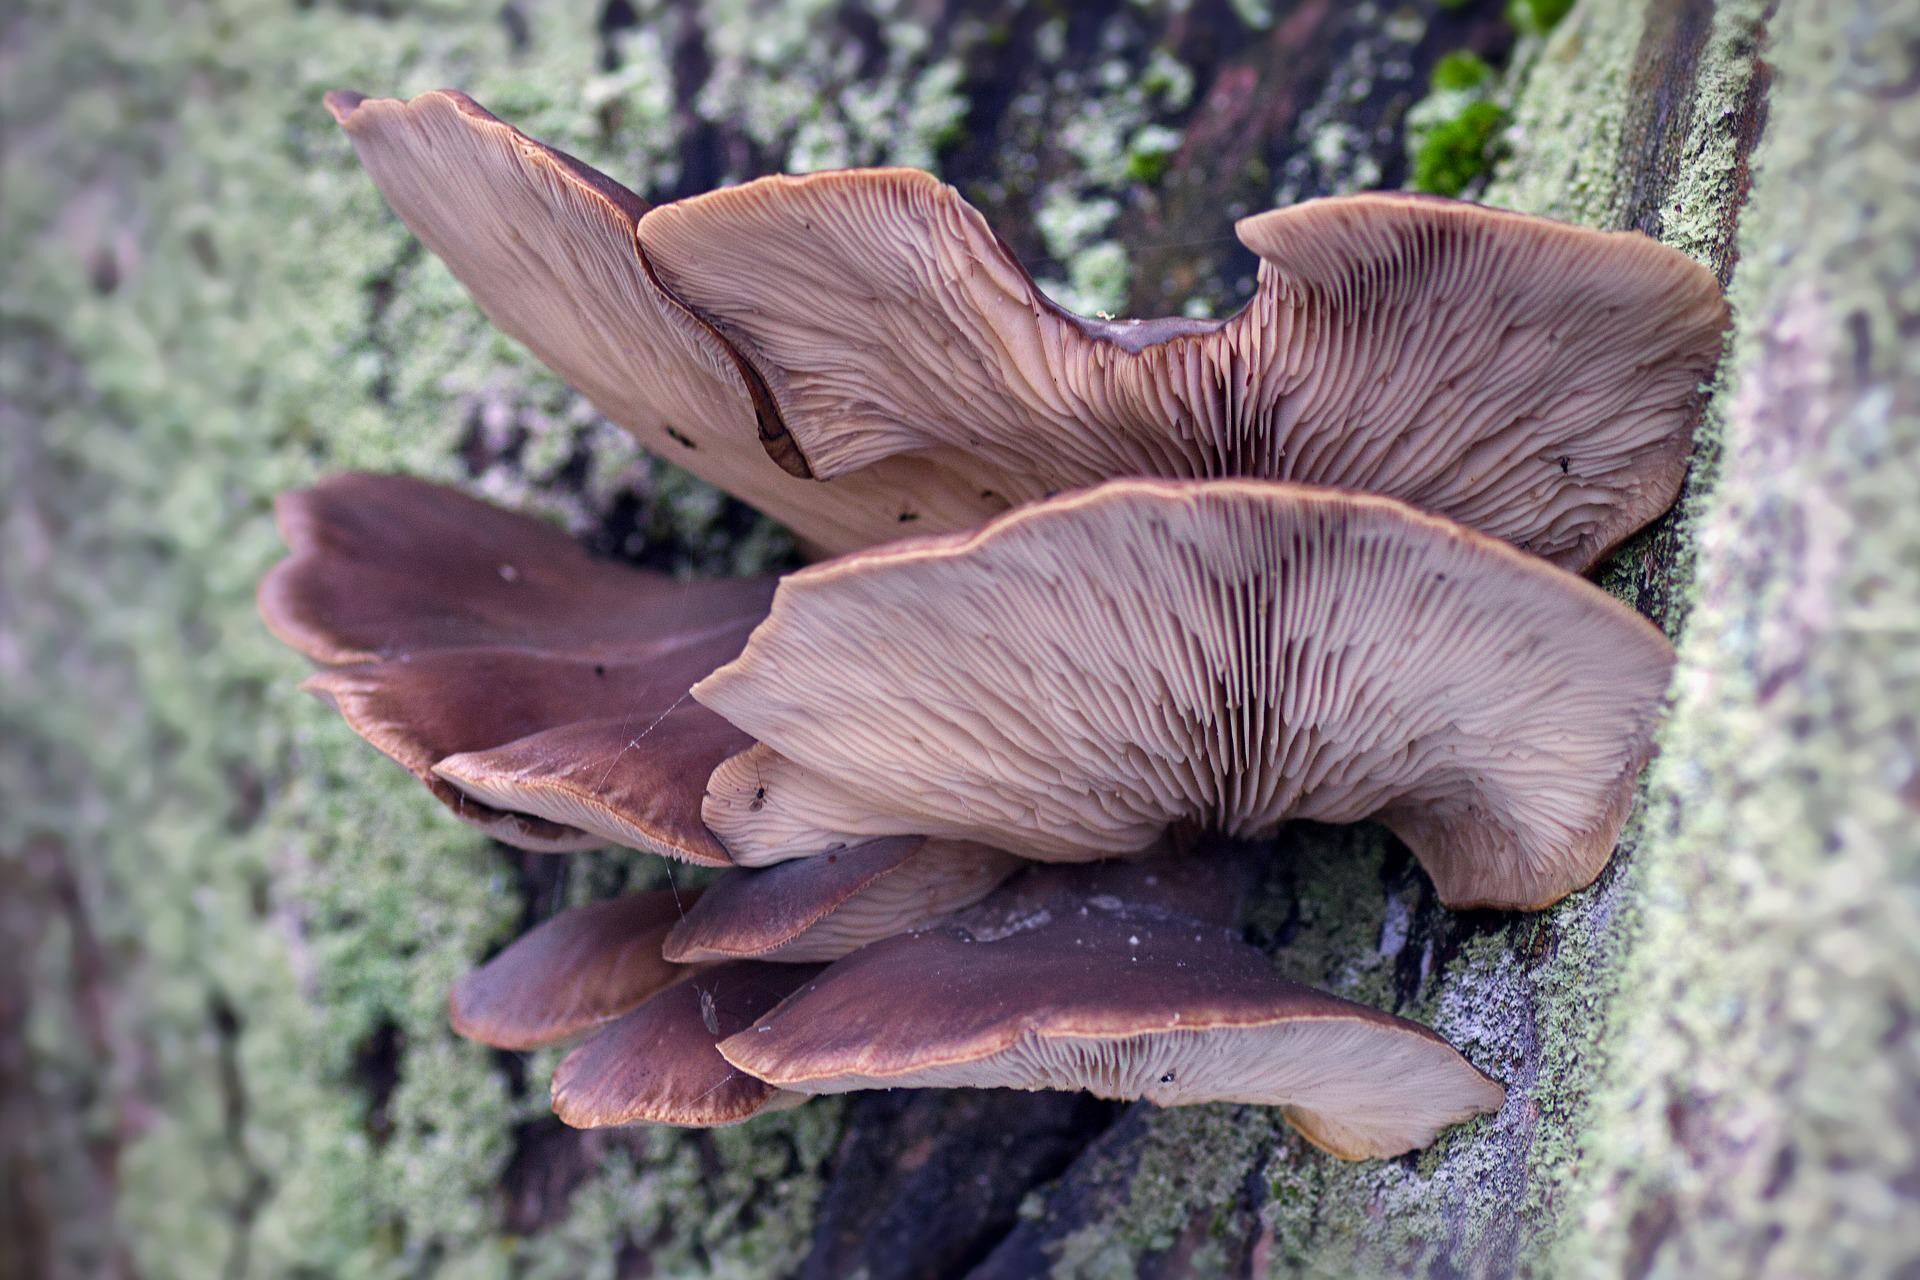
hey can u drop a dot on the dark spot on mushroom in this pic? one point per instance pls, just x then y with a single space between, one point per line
680 437
1167 1078
908 517
759 799
1564 462
599 669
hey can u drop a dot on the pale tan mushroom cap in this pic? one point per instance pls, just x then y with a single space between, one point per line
1086 672
546 246
1532 379
823 907
540 694
1125 1004
585 966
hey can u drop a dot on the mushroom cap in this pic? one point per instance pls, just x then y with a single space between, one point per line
538 693
383 566
545 244
1084 673
630 779
777 810
658 1064
584 966
823 907
1535 380
1125 1004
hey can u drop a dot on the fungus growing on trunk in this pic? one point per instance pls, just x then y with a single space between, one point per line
1126 1000
505 668
585 966
1528 378
658 1064
1086 672
545 244
1124 979
1090 677
823 907
1534 380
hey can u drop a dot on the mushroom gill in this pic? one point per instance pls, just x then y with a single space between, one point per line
1531 379
1076 990
545 244
1086 672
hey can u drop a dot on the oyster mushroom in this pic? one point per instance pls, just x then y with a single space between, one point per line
510 672
585 966
823 907
1534 380
1048 986
1087 672
658 1064
545 244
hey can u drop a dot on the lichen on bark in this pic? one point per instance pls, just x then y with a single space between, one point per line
236 926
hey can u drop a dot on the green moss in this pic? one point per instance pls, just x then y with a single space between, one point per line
1111 122
1537 17
1759 1112
1257 14
1341 154
1461 69
1150 151
1570 118
1451 154
1167 1188
1453 134
209 303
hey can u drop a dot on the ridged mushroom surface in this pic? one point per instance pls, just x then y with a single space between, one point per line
658 1064
1122 1003
1084 673
822 908
540 694
545 244
1532 379
585 966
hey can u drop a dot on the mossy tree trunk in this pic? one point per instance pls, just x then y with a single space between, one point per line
223 1050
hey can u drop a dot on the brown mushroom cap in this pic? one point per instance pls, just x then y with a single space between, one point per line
538 693
585 966
658 1064
1085 672
823 907
546 246
1125 1004
1531 379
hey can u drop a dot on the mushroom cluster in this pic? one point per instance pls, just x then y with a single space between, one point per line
982 796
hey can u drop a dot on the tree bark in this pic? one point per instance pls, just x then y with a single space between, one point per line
224 1052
